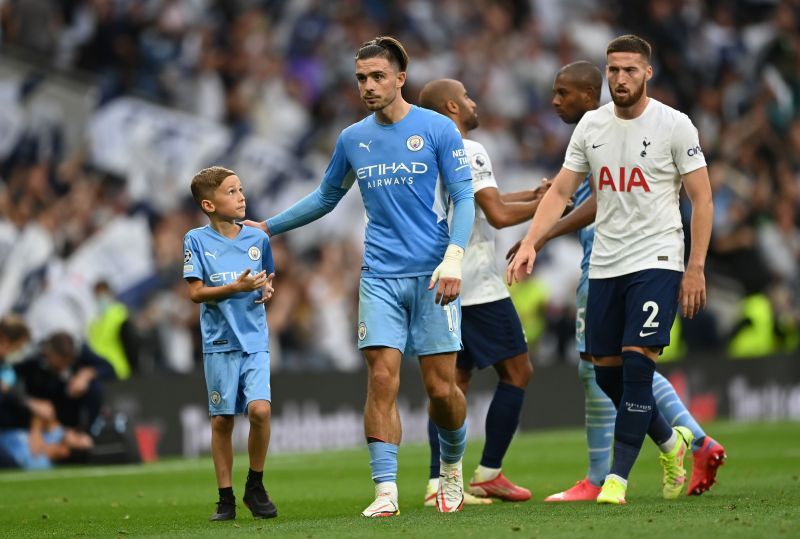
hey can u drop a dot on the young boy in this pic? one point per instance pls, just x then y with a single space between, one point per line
229 269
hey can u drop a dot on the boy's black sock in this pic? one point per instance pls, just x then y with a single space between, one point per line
226 494
254 478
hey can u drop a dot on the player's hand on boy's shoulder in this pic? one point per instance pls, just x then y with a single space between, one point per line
247 282
262 225
267 290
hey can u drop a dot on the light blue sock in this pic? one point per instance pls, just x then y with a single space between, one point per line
383 461
674 411
600 416
452 443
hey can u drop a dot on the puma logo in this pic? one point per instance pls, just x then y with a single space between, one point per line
362 145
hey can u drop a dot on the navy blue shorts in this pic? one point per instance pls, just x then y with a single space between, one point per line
490 332
631 310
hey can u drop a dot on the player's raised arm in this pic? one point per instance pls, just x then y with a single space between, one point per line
580 217
693 285
339 177
550 209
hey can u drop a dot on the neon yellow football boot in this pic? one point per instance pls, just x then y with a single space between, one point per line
672 462
613 490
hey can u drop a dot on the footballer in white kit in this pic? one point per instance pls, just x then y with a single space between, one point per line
639 152
636 167
491 331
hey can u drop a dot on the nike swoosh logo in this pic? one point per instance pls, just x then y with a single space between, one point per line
595 146
643 334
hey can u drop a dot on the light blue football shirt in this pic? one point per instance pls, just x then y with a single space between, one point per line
585 234
401 170
236 322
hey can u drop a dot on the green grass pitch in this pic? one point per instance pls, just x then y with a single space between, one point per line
321 495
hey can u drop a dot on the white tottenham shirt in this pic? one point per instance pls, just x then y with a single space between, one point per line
636 168
480 281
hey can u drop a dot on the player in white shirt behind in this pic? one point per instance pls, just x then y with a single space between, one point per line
638 151
491 330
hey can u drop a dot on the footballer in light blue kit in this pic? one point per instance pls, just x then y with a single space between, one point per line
229 269
410 164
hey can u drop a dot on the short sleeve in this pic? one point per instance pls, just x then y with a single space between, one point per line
685 146
481 167
451 156
191 258
339 173
268 263
575 158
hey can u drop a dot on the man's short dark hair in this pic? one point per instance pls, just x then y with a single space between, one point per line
630 43
385 47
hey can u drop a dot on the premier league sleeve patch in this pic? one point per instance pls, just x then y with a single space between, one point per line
480 162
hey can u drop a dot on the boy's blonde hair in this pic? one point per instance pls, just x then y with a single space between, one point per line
206 182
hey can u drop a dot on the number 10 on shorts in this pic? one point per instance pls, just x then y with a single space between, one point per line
451 309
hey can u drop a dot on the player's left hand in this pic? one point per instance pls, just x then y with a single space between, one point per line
692 293
521 265
267 290
448 273
539 192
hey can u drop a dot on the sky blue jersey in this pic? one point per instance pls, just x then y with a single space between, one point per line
401 170
236 322
585 234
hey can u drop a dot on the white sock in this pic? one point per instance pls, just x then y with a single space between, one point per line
669 445
387 487
618 478
482 473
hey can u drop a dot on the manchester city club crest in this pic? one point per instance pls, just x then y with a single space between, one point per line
362 331
254 253
215 398
415 143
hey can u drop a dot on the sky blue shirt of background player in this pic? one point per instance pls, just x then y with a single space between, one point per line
585 234
404 186
236 322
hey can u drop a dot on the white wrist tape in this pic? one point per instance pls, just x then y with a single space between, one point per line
451 264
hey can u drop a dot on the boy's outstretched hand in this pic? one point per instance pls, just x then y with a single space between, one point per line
267 290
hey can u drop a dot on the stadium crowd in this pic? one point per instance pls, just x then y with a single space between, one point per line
283 71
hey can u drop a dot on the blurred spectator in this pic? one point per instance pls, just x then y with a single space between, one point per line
267 86
111 334
29 435
69 377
